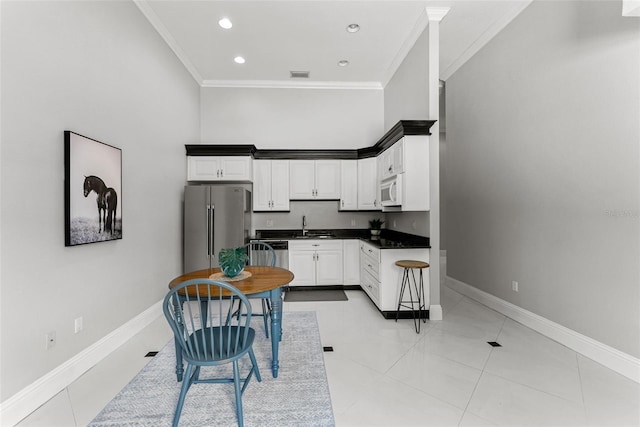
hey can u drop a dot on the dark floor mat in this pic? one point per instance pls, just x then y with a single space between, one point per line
315 295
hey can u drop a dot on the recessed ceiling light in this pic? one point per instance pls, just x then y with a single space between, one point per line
343 63
225 23
239 60
353 28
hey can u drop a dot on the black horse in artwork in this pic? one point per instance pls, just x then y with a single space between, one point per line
107 201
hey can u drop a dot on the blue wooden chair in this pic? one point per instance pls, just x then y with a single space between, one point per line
261 253
208 335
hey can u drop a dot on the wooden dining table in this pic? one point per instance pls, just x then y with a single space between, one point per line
263 282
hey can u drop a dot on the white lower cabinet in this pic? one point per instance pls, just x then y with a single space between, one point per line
316 262
381 279
351 262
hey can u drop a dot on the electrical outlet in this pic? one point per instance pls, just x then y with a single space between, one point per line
50 338
353 222
414 225
269 223
394 224
77 325
514 286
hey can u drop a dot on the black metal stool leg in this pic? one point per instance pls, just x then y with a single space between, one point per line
405 280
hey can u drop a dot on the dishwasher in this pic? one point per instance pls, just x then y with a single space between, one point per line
281 249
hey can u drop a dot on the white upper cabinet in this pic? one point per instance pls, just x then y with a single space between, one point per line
349 185
219 168
271 185
368 185
391 161
411 159
314 179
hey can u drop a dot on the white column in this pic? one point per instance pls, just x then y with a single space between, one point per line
434 15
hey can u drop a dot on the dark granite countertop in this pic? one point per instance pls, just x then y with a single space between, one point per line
388 239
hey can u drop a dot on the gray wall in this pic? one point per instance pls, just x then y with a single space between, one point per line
320 214
406 98
292 118
99 69
543 168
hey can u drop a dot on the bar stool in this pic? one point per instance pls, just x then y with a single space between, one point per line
418 288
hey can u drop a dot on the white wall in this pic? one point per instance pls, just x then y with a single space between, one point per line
99 69
292 118
543 182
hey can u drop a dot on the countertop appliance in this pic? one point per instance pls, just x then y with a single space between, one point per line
281 249
215 217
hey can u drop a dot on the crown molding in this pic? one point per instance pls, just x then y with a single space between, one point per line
289 84
500 23
437 13
401 129
155 21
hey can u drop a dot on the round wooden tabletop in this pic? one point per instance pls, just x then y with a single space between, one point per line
407 263
262 278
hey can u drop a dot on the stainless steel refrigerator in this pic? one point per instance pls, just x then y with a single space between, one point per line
215 217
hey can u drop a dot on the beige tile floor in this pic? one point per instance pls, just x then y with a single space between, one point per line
381 373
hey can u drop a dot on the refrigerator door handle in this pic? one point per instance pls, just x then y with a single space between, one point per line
212 230
209 230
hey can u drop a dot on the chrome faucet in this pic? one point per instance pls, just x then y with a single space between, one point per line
304 225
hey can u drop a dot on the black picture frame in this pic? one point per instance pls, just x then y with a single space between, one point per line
92 190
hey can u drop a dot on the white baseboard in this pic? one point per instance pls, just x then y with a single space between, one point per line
30 398
616 360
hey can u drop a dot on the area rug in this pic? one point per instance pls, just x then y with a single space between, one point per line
315 295
298 397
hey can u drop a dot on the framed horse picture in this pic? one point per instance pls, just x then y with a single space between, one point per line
92 190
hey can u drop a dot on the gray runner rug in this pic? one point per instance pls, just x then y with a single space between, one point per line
298 397
305 295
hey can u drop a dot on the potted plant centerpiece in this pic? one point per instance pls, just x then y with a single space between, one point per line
232 261
375 225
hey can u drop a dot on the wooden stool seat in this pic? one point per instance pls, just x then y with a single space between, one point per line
416 301
408 263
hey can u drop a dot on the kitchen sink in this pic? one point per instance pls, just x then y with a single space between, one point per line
315 236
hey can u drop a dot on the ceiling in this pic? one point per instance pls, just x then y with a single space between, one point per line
277 37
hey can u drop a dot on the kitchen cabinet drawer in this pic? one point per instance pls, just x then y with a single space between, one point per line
370 251
315 245
371 286
370 266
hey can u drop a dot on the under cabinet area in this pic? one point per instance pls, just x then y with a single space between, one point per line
219 168
314 179
271 185
316 262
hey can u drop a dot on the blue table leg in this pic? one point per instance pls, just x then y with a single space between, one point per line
276 328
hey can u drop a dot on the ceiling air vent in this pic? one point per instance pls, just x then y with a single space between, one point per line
299 74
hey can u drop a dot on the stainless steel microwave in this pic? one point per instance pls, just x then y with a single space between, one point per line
391 191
